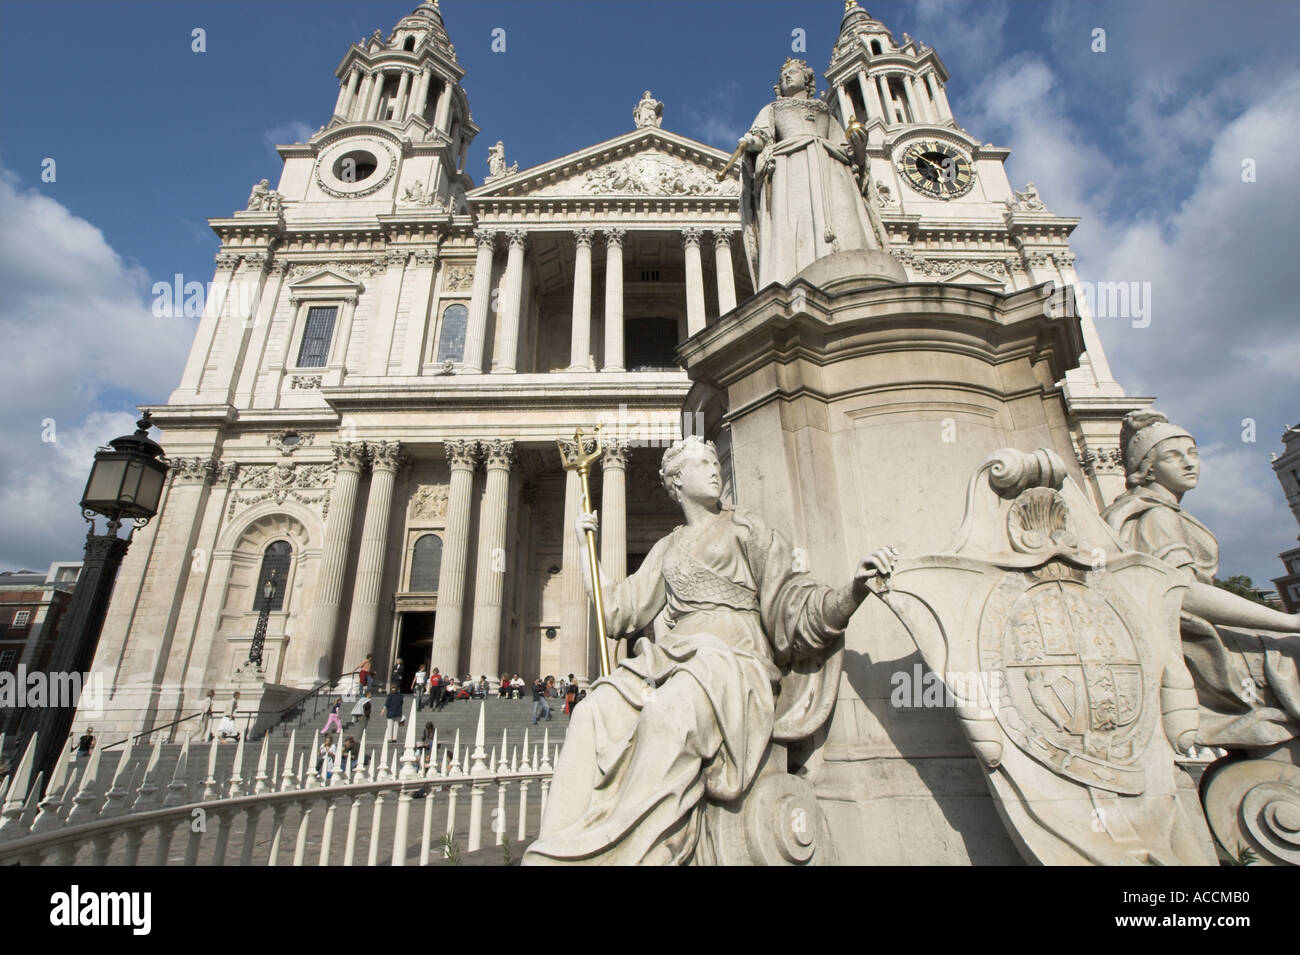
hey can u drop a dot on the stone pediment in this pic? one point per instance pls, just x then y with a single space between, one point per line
976 278
647 162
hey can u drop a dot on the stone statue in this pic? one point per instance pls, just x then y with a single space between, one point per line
648 112
1246 679
802 183
265 199
1246 683
661 755
497 162
1059 653
1027 201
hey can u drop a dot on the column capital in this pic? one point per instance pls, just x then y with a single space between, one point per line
498 453
462 453
486 238
614 453
614 237
388 455
583 237
518 238
348 455
426 255
692 237
722 238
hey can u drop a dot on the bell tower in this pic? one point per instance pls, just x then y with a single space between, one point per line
882 84
409 84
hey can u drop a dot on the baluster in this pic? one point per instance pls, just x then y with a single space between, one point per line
131 853
478 786
354 813
120 787
287 781
101 845
236 779
500 824
405 795
304 823
277 831
372 856
225 821
260 783
327 831
178 788
86 799
426 833
165 830
252 817
147 795
211 788
50 806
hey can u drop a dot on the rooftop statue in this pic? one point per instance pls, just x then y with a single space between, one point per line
666 753
648 112
802 183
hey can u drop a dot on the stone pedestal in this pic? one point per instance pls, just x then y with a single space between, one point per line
857 407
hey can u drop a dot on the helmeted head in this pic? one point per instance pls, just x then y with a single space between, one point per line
1157 452
691 466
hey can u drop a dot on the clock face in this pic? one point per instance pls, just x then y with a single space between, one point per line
937 169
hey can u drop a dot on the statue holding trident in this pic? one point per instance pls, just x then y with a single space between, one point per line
745 655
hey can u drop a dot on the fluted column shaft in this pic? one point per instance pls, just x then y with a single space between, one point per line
512 301
613 301
871 98
403 90
886 100
461 455
479 300
722 265
580 337
315 661
573 607
386 458
489 582
694 280
613 520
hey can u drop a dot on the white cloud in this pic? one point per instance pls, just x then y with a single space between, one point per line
83 349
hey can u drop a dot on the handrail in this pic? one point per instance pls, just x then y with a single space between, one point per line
156 729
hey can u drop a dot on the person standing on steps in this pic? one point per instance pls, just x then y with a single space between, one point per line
393 712
333 719
540 705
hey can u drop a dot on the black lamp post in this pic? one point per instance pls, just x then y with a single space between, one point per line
126 482
259 634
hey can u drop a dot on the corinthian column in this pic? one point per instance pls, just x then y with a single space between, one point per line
314 660
512 301
573 599
479 298
580 340
694 280
613 519
489 582
613 302
722 265
461 455
386 458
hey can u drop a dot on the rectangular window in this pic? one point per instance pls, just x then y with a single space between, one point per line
20 619
315 348
8 659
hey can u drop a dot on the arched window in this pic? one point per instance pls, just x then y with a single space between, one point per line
275 560
875 46
451 340
409 44
426 563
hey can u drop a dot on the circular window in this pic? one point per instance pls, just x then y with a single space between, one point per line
355 166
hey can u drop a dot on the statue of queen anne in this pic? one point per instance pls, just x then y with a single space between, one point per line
802 183
689 718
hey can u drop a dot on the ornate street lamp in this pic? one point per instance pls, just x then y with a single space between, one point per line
259 634
126 482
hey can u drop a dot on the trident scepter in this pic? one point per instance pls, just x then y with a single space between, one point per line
581 461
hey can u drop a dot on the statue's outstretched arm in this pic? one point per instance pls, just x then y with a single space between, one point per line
1223 607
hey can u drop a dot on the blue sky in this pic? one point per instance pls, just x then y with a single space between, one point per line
1143 141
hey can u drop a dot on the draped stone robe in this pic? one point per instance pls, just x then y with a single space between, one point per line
1246 682
799 200
690 715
